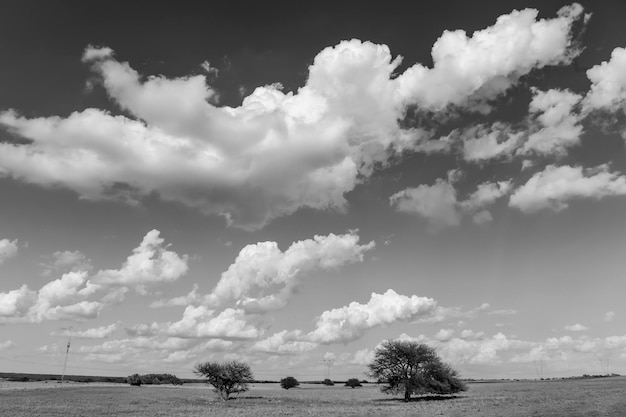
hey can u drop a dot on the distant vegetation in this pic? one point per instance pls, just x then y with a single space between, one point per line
22 377
153 379
328 382
353 383
289 382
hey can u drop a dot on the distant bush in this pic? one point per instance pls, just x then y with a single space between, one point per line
153 379
328 382
19 379
353 383
289 382
134 380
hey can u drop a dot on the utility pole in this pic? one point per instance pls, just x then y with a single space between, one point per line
67 352
539 368
329 363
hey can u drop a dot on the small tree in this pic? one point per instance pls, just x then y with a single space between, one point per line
353 383
134 380
227 377
289 382
413 368
328 382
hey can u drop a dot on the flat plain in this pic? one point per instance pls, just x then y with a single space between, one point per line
555 398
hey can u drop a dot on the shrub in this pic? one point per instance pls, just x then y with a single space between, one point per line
353 383
289 382
328 382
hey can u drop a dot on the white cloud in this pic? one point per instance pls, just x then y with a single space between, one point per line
609 316
8 249
352 321
285 342
263 277
481 143
608 83
478 350
444 334
202 322
486 194
492 60
93 53
16 303
436 203
66 261
150 263
101 332
277 152
193 297
576 327
555 186
77 295
363 357
469 334
143 329
559 124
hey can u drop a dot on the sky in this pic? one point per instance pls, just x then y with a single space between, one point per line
290 186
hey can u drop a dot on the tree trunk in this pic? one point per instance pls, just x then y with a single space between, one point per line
407 395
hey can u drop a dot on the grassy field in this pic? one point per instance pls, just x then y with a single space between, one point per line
562 398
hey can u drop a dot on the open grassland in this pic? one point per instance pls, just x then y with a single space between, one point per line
562 398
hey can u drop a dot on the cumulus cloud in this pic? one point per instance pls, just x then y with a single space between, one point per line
66 261
8 249
492 60
559 127
444 334
350 322
150 263
608 83
203 322
555 186
263 277
285 342
479 350
77 295
576 327
485 142
436 203
486 194
276 152
16 303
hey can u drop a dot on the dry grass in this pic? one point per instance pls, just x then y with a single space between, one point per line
570 398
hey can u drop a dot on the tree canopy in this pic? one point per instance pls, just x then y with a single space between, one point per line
353 383
289 382
413 369
226 377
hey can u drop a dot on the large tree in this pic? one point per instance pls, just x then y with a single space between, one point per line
413 368
226 377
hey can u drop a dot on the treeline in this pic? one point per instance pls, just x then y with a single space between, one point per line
153 379
22 377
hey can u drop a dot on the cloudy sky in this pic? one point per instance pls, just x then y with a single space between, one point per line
291 186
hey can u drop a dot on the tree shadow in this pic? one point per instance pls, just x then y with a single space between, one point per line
420 398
